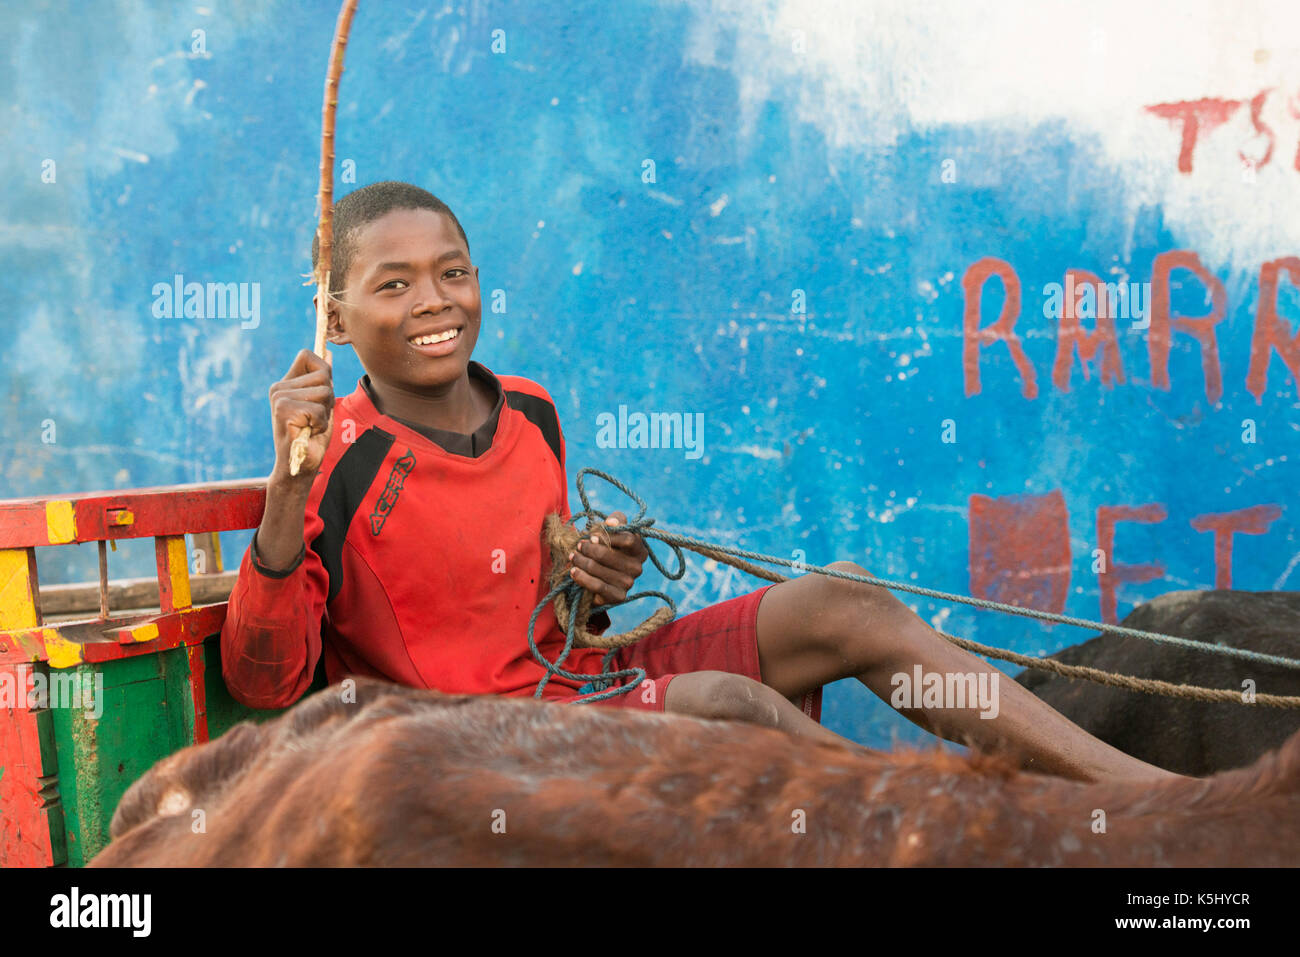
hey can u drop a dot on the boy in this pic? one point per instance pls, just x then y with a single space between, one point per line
409 545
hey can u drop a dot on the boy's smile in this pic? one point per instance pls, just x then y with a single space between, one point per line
411 309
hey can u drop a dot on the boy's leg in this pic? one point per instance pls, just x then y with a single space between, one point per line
706 665
814 630
726 696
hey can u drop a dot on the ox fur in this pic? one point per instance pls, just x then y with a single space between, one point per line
410 777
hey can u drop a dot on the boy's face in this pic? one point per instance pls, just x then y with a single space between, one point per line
410 278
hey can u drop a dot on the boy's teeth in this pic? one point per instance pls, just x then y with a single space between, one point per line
440 337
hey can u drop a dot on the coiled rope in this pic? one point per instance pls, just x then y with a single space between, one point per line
573 605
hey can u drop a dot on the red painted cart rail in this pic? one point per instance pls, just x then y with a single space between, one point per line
165 514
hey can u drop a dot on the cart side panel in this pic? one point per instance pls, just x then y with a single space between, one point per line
143 719
32 831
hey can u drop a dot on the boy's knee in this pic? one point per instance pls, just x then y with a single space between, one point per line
840 592
847 620
725 696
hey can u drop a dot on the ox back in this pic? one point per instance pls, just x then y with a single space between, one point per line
1188 737
385 775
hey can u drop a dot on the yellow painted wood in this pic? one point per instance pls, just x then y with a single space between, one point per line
178 570
60 652
144 632
17 603
60 522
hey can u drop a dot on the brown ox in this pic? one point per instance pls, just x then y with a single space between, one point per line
408 777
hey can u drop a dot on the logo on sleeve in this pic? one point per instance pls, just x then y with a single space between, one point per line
388 497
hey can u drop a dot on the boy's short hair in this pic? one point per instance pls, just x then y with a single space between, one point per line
365 205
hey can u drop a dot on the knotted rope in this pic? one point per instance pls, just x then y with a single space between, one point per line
573 605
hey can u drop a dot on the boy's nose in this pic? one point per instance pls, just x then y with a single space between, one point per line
429 298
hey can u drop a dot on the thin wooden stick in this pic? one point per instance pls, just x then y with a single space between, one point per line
325 198
103 581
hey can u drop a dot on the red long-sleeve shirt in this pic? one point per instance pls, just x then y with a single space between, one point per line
423 559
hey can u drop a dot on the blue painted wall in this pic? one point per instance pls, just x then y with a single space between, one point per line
823 430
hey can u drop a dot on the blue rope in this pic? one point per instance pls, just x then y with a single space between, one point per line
640 525
573 593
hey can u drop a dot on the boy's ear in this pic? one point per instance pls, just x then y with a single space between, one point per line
334 330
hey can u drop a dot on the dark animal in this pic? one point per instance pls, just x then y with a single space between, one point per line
1188 737
409 777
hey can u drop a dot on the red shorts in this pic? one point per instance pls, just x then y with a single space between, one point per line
722 637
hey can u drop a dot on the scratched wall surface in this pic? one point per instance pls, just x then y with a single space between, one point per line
829 228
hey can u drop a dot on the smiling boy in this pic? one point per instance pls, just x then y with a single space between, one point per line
409 546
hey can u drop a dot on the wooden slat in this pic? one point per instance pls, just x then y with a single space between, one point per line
19 606
82 599
173 573
132 513
207 552
94 641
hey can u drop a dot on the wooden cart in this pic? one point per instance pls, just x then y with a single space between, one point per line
62 770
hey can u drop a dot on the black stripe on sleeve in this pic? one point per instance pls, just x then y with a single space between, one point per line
348 483
542 414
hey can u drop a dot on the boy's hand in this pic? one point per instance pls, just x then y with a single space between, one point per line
305 396
608 565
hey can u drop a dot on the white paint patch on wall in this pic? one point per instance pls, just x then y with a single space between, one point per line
211 365
867 74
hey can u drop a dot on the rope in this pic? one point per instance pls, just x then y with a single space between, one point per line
573 604
1148 685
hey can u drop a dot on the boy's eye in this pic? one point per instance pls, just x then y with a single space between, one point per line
389 284
457 272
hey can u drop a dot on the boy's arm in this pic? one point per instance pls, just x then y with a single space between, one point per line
271 642
599 621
